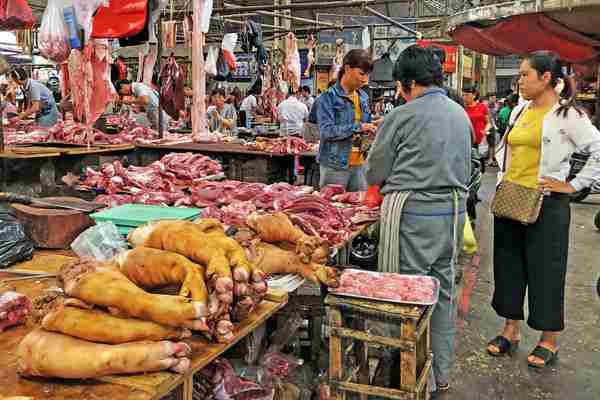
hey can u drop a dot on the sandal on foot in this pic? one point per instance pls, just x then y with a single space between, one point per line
504 346
443 387
546 355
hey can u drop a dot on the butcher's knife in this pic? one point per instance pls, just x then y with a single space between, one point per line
77 205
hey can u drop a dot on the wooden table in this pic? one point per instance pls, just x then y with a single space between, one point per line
150 386
239 161
37 170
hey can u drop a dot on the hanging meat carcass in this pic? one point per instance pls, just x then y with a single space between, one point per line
16 14
338 60
90 81
311 43
292 62
172 97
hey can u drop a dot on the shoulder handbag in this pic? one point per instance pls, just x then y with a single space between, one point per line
513 201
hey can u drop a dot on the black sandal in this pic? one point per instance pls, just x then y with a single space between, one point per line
546 355
504 345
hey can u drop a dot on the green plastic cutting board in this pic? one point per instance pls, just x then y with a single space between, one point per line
138 214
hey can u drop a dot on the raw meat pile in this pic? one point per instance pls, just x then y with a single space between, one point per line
387 286
13 136
287 145
14 307
168 176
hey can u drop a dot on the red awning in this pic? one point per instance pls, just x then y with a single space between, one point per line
524 34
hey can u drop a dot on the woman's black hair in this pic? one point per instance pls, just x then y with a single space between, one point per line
356 58
218 92
19 74
419 65
547 61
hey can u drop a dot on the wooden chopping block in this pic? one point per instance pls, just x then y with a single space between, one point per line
52 228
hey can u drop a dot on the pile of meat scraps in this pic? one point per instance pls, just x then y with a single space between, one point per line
161 182
388 286
287 145
14 307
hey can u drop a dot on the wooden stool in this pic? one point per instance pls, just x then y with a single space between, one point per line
414 346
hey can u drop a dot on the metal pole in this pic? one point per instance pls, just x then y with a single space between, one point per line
198 77
306 6
393 21
159 52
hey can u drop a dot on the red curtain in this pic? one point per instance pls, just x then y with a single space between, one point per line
524 34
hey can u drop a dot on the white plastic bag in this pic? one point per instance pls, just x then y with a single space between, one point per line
53 40
206 13
102 242
210 66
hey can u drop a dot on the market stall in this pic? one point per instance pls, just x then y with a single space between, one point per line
199 267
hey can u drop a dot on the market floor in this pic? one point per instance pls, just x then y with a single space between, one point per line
478 376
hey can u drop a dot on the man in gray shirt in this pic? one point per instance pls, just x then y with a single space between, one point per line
40 100
143 95
421 158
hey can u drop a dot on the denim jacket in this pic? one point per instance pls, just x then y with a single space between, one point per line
336 124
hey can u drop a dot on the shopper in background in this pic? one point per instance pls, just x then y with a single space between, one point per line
40 101
248 109
504 114
344 123
235 98
421 157
532 259
292 114
222 117
306 97
492 133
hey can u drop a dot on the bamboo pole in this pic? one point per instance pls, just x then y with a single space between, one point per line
306 6
199 124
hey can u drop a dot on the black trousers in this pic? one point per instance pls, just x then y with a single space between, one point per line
533 259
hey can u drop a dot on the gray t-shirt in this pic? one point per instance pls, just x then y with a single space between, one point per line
139 89
37 91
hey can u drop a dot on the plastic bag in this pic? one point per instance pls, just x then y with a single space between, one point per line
16 14
206 14
210 66
101 242
228 46
223 70
15 246
279 365
53 39
373 197
469 241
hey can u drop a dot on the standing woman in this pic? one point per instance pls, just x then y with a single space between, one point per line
40 101
533 258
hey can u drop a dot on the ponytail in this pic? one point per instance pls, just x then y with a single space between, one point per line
569 93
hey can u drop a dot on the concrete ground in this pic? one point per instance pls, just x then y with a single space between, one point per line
576 375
